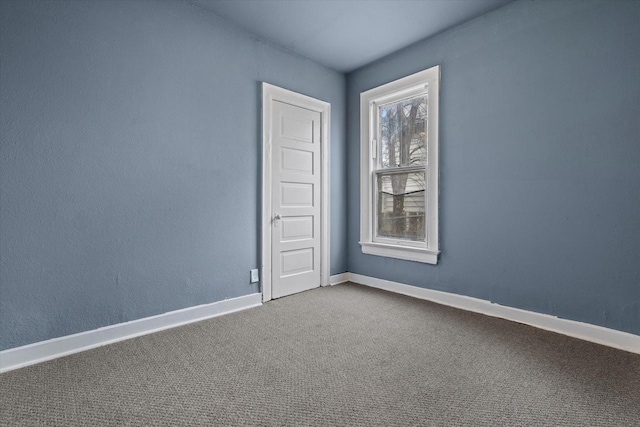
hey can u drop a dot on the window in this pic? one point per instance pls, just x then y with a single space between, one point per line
399 168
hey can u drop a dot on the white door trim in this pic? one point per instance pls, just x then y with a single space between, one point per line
275 93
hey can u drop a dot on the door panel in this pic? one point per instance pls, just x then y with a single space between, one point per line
295 226
293 128
297 161
296 194
298 261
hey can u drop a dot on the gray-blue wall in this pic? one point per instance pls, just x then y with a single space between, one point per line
130 149
540 160
130 161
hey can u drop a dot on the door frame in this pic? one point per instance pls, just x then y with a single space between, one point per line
274 93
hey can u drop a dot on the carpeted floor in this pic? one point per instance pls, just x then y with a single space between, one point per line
341 356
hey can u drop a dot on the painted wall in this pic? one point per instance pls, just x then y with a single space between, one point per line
540 160
130 153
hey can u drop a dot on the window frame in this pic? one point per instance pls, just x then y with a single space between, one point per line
404 88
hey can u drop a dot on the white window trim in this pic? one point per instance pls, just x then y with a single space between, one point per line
429 251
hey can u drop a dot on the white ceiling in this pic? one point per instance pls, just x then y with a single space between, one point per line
346 34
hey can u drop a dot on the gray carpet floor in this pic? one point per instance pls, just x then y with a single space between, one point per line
341 356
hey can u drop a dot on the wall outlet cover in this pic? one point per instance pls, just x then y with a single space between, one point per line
255 277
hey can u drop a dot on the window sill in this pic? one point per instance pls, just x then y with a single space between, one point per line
400 252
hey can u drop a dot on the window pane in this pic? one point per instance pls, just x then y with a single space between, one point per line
403 132
401 205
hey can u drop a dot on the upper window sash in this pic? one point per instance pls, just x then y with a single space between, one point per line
376 129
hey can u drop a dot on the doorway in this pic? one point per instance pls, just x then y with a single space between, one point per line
295 184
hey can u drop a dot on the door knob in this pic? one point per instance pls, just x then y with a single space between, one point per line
277 216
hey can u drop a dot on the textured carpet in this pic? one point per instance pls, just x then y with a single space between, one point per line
345 355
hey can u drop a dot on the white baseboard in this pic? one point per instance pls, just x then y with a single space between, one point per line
572 328
31 354
338 278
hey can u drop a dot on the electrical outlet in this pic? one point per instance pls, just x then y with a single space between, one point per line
255 277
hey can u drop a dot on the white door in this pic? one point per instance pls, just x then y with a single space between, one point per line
295 199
